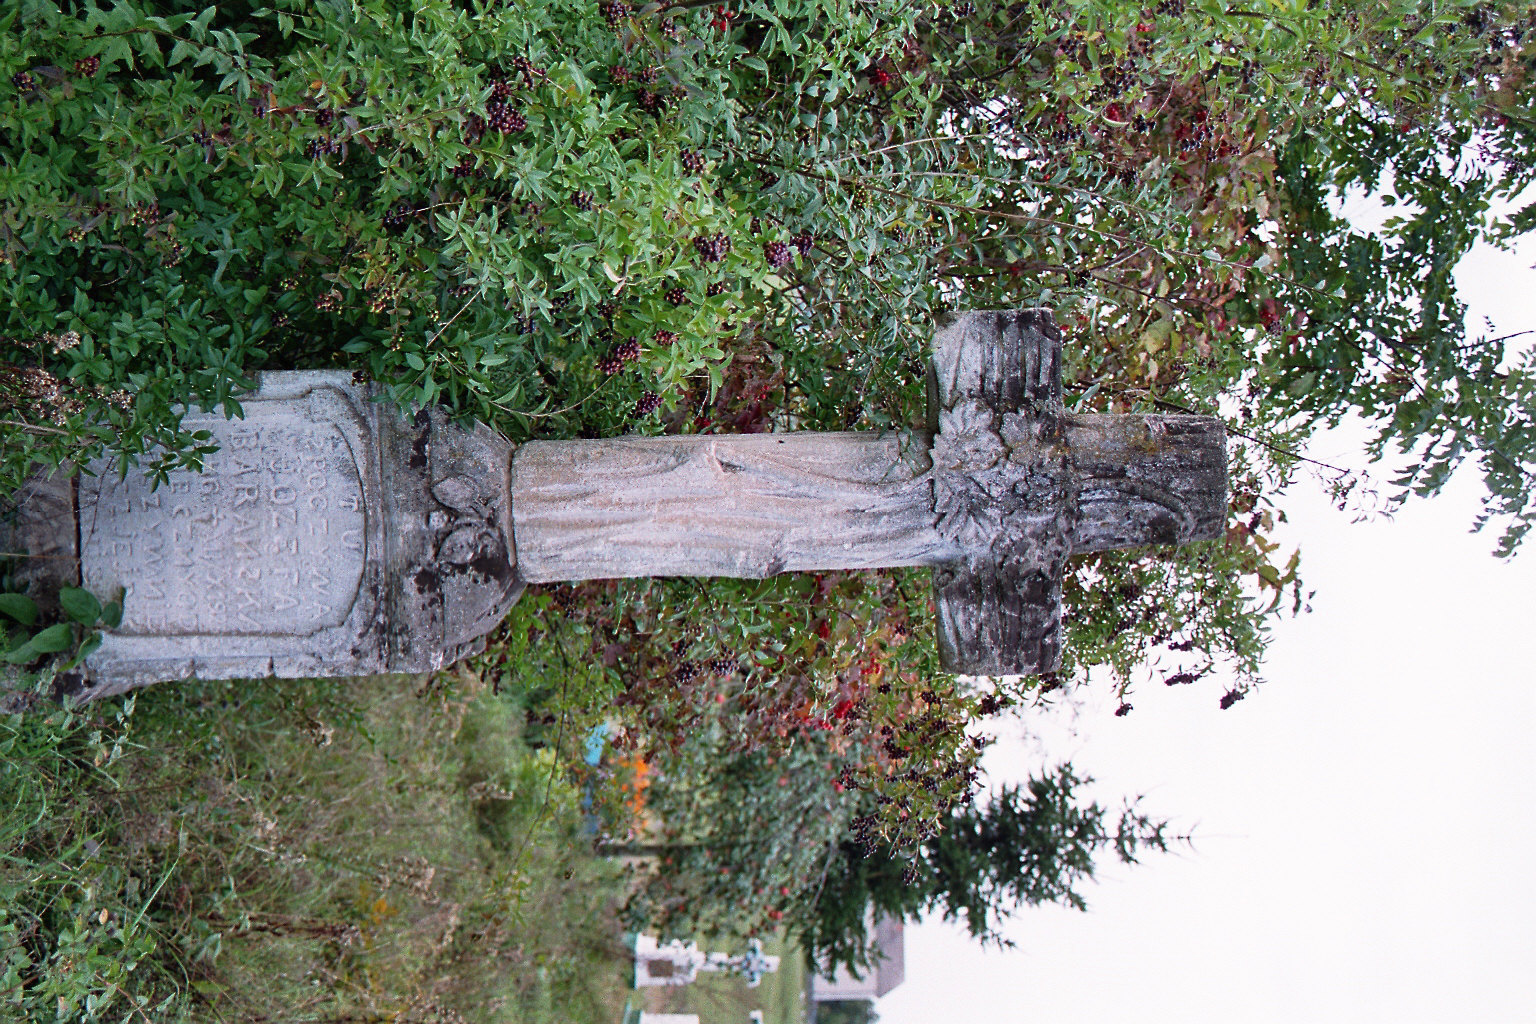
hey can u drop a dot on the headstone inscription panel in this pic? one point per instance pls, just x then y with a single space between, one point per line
270 539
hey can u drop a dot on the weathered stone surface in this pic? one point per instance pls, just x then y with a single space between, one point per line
748 505
328 536
1020 486
331 535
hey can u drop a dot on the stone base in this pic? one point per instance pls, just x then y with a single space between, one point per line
328 536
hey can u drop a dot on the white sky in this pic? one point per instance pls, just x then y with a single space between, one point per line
1363 822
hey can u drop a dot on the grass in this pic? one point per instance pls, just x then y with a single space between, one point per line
300 851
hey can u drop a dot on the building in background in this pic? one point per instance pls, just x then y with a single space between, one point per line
886 937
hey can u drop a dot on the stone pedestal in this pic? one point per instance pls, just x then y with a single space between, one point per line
329 535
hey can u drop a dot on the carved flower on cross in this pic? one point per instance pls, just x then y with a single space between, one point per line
970 478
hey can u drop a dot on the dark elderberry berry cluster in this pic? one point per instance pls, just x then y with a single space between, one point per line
712 248
614 12
665 338
322 146
23 81
145 213
647 404
865 829
398 216
581 200
653 103
716 288
1064 133
692 161
1192 137
88 66
626 351
777 254
505 117
803 242
676 296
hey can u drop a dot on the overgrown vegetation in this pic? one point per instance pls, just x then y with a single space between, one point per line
299 851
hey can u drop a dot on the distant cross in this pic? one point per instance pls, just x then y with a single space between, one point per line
331 535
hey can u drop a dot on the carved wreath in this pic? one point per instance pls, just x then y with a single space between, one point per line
471 533
1000 485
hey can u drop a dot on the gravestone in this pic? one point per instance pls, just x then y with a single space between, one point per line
331 535
675 963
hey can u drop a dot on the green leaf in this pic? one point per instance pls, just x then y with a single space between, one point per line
53 639
80 605
21 654
87 647
112 614
19 607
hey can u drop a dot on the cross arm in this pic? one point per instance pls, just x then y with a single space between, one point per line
1020 486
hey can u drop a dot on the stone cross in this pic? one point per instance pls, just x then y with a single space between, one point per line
331 535
674 963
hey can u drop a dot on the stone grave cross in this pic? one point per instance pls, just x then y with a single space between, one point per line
330 535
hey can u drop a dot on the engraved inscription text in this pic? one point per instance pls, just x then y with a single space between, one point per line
268 539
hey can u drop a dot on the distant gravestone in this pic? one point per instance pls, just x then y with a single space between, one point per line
330 535
675 963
